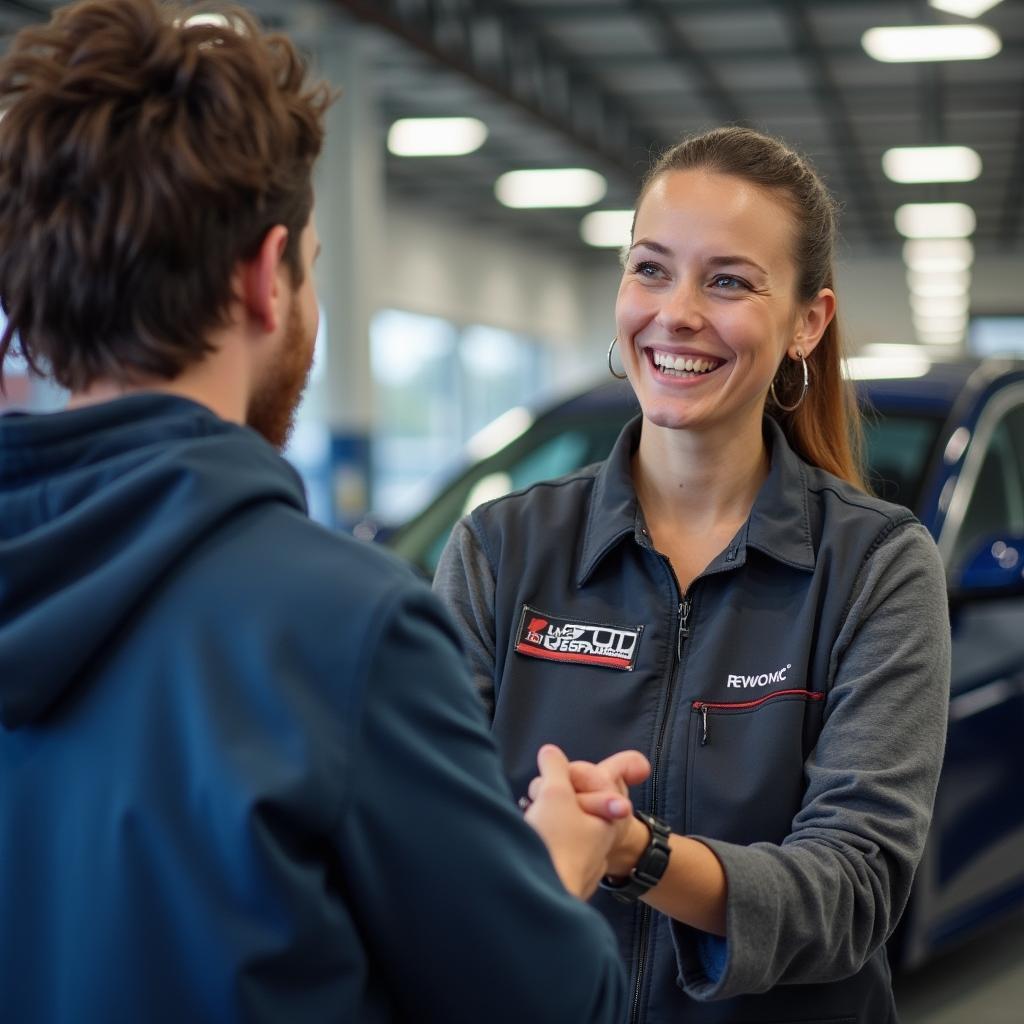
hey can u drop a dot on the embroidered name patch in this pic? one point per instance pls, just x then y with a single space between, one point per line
585 643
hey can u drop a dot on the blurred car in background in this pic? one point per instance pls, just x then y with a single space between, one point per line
946 440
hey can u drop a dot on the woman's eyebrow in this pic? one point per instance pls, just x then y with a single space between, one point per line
729 261
653 246
714 261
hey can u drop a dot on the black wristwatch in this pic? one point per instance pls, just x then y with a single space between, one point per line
649 868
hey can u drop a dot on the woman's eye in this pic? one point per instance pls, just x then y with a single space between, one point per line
645 268
727 282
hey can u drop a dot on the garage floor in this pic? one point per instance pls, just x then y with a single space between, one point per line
981 982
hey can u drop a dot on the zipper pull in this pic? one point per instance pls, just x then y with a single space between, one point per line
703 708
684 632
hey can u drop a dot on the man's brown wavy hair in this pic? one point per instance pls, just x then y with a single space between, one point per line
142 157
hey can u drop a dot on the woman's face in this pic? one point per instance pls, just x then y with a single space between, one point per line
707 306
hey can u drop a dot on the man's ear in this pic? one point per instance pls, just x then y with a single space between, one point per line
814 318
261 283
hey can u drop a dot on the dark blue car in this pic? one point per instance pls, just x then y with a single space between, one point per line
949 444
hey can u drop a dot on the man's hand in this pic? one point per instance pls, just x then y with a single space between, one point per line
578 841
593 783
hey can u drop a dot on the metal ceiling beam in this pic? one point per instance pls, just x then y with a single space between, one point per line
838 123
718 8
674 43
623 60
37 10
500 50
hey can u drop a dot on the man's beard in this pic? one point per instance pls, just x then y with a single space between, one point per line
276 397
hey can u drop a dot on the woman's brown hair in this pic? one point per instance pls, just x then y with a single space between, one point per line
143 155
825 428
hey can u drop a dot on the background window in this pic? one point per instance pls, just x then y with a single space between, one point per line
997 335
436 384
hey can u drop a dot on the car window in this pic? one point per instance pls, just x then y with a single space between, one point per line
996 505
897 449
549 450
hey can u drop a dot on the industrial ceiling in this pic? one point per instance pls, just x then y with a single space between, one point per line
605 84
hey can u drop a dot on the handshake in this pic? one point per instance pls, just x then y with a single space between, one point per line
583 813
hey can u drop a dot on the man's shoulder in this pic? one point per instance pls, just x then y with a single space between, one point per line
279 557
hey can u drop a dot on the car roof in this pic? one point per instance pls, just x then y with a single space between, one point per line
933 392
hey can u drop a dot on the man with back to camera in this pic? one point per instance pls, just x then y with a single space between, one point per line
245 777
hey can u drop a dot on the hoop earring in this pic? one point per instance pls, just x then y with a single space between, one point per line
611 369
803 390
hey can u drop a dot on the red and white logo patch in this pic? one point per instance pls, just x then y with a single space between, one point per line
585 643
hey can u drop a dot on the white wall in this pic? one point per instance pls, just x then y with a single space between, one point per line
433 265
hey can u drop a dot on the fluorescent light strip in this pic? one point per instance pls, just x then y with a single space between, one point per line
938 254
436 136
964 8
933 285
878 366
935 220
563 187
607 229
940 324
931 42
909 165
940 337
948 305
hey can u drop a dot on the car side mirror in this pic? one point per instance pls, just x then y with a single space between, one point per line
994 569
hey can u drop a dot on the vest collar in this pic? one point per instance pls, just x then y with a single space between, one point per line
778 525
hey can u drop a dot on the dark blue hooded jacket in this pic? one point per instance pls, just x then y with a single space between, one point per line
244 777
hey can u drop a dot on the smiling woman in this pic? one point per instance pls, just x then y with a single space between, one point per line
729 534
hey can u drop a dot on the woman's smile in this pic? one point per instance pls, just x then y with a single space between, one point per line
681 366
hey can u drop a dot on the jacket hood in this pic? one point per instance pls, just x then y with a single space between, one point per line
96 506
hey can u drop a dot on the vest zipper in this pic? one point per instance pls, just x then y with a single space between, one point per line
682 634
641 962
684 631
703 706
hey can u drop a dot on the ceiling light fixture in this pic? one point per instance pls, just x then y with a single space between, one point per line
939 324
942 338
935 220
562 187
911 164
935 285
965 8
938 255
607 229
928 307
889 361
931 42
436 136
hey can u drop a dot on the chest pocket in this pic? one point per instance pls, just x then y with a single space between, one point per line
745 772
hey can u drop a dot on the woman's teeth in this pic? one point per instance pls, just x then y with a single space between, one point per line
682 366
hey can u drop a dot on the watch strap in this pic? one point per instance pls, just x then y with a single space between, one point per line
649 867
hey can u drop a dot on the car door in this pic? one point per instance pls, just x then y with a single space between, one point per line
974 866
